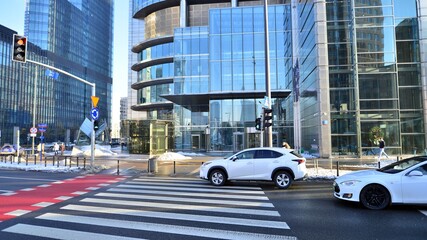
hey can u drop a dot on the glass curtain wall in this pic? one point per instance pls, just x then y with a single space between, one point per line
374 76
237 64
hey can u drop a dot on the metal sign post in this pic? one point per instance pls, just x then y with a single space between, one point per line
92 158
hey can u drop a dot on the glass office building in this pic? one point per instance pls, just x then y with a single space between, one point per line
72 35
342 73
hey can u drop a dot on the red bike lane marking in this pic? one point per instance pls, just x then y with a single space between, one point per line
28 200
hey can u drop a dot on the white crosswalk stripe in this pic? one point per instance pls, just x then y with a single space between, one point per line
174 207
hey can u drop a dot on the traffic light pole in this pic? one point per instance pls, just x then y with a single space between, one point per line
93 85
268 130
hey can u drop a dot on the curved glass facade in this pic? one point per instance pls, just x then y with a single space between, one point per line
354 67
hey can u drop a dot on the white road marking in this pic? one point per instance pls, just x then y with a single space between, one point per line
103 184
8 194
58 233
63 198
44 185
188 200
163 228
42 204
173 184
190 194
184 207
79 193
27 189
58 182
92 188
18 212
33 179
180 216
217 190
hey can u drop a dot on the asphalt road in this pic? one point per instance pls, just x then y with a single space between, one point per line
312 212
188 208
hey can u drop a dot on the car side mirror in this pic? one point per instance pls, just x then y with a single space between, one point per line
415 173
234 158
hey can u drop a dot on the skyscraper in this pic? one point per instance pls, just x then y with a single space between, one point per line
75 36
355 69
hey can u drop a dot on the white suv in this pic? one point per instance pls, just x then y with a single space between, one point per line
280 165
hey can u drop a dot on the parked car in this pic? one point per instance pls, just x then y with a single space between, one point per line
9 149
280 165
402 182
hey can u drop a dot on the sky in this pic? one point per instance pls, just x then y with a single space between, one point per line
12 14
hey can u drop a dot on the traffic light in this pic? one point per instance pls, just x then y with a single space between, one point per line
95 125
267 117
19 53
258 124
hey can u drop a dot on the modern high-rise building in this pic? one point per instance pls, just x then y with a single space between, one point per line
72 35
343 73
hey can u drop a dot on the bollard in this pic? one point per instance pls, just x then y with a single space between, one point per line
77 162
84 163
118 167
26 160
45 161
338 168
148 166
379 164
53 161
57 163
174 167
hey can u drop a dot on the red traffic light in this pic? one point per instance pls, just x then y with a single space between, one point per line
19 50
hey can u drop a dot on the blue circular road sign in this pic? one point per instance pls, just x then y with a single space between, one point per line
95 113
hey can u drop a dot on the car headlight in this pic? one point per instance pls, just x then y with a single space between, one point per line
206 163
350 183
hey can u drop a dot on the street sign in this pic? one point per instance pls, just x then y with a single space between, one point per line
42 129
33 130
42 125
41 137
95 100
52 74
95 113
33 134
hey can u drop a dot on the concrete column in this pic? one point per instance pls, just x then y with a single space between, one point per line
233 3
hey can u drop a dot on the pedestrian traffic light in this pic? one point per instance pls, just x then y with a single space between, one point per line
267 117
19 53
95 125
258 124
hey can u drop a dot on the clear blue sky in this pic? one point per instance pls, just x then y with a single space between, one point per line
12 16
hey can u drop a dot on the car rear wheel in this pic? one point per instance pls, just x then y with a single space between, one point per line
282 179
217 177
375 197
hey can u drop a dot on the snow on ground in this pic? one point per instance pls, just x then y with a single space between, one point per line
171 156
313 172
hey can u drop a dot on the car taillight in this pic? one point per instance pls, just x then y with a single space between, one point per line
299 161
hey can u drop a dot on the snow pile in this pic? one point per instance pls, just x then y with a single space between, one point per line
321 173
100 150
170 156
191 154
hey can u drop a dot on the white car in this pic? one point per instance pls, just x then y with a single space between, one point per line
280 165
402 182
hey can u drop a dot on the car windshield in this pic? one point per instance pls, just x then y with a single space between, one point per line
402 165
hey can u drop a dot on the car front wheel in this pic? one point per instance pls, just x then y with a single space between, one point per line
282 179
375 197
217 177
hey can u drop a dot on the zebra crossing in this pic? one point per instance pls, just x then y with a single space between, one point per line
159 208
